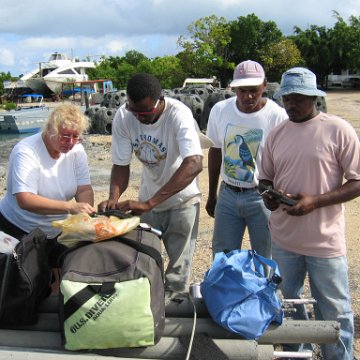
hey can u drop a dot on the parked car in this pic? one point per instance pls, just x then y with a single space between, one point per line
351 82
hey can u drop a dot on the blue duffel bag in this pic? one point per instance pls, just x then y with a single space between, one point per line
239 291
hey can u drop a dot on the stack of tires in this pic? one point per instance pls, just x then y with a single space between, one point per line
199 99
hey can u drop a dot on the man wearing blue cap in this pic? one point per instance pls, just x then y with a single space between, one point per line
307 157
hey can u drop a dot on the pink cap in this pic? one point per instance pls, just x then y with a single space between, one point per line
248 73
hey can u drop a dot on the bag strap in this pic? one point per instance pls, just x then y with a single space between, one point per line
85 294
274 276
139 246
135 244
4 281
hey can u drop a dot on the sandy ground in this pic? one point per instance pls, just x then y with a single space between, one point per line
342 103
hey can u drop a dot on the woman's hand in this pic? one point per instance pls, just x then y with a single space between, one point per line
81 207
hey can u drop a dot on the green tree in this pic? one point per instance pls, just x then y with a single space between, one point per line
327 51
105 69
345 39
354 62
5 77
206 52
120 69
250 36
279 57
135 58
315 45
169 71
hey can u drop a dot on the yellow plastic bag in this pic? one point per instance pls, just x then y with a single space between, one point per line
83 227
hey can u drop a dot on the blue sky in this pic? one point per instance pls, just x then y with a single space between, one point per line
30 30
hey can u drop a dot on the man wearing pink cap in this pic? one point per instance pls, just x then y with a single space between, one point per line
238 127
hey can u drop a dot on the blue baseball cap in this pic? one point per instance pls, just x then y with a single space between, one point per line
298 80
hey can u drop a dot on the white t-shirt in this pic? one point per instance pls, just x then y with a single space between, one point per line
241 138
32 169
161 147
312 157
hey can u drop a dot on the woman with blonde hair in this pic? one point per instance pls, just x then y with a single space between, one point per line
47 172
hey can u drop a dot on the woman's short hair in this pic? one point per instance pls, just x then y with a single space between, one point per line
68 116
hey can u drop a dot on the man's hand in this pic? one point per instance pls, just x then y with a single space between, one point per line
133 206
305 205
270 202
107 205
210 206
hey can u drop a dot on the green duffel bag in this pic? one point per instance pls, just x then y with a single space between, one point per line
112 293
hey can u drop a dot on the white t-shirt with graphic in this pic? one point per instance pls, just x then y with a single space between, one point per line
241 138
161 147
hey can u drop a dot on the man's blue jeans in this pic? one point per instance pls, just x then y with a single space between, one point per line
234 212
329 286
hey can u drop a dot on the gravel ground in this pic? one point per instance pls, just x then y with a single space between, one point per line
342 103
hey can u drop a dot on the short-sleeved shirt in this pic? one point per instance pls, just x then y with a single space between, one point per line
33 170
241 138
312 157
161 147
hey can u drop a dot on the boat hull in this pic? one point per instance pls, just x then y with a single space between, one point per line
55 83
37 85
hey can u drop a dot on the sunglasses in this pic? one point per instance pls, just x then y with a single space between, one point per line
143 113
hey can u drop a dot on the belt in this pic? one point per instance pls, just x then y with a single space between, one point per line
237 188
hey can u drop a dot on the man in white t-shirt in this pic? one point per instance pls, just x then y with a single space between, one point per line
161 132
307 157
238 127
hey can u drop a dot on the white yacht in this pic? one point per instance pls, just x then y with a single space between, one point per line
51 74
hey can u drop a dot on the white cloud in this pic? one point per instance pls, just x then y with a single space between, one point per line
112 27
115 46
7 57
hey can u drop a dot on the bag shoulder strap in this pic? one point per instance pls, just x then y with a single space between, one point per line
4 277
85 294
274 275
139 246
135 244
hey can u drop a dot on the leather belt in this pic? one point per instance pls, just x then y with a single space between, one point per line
237 188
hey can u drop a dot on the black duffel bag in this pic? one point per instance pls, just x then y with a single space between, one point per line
25 277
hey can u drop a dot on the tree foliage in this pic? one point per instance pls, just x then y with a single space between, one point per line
250 36
278 57
316 49
328 51
205 54
5 76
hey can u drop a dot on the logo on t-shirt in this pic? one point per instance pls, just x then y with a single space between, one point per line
149 150
240 150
